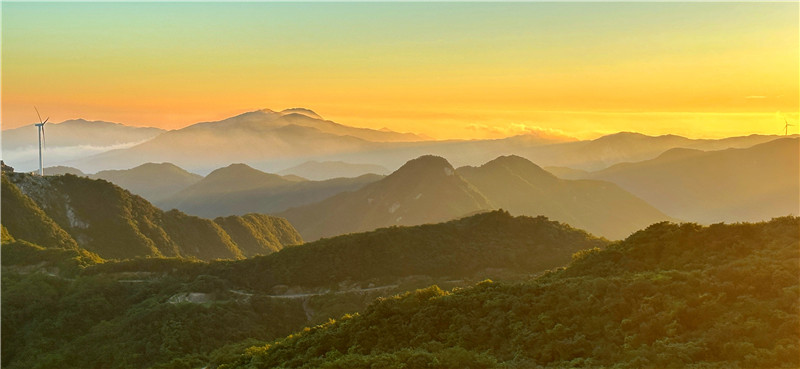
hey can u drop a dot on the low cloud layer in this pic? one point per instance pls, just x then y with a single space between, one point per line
27 158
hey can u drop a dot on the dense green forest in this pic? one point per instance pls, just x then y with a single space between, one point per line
667 296
724 296
173 312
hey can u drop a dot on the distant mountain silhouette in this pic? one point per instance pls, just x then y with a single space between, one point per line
69 140
262 135
152 181
111 222
623 147
521 187
78 132
61 170
317 171
240 189
732 185
428 190
424 190
567 173
271 140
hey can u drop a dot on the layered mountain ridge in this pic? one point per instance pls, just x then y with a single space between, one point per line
111 222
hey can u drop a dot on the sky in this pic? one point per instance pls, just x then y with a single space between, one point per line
446 70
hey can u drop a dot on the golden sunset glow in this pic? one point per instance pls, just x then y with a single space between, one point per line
446 70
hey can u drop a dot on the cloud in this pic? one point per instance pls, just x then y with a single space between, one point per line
27 158
517 129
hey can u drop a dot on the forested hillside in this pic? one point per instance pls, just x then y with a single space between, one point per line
70 211
65 310
724 296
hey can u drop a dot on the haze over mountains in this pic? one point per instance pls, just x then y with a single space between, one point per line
315 170
428 189
69 140
274 141
647 179
241 189
521 187
731 185
261 136
152 181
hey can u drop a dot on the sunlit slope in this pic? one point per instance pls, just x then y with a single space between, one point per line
521 187
668 296
751 184
188 313
105 219
24 219
424 190
259 234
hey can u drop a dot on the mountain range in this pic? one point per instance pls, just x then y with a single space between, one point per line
64 211
253 137
69 140
240 189
154 182
522 187
276 140
428 190
318 171
731 185
669 296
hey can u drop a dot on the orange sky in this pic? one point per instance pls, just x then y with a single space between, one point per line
448 70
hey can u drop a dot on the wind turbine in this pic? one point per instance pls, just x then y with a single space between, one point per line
786 127
40 128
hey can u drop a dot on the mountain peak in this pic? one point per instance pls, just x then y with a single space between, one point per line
425 165
235 169
519 164
302 111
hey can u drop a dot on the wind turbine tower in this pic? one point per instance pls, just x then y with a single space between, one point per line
40 128
786 127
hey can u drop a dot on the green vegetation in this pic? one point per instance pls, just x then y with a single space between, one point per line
180 313
723 296
259 234
57 211
23 218
667 296
492 242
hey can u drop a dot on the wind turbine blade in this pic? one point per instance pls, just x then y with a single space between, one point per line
37 113
44 138
45 120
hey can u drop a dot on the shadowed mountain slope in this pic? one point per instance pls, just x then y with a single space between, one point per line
424 190
428 190
239 189
461 248
315 170
751 184
522 187
152 181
